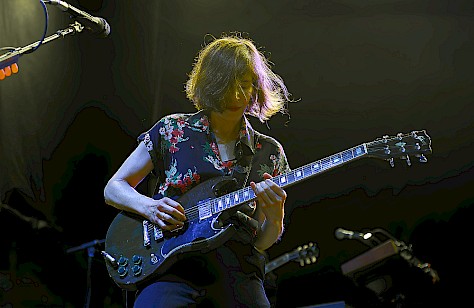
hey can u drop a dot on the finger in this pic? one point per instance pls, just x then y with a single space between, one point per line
261 193
173 203
162 220
156 219
168 206
275 188
170 219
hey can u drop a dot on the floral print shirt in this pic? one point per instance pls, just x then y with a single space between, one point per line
184 152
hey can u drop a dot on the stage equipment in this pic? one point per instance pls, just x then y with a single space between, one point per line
97 25
91 250
388 268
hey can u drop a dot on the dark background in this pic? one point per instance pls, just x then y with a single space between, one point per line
359 70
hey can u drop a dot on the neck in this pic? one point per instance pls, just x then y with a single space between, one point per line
224 128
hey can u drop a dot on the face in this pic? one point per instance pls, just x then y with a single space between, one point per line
239 97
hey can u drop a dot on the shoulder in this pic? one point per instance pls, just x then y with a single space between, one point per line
174 118
268 141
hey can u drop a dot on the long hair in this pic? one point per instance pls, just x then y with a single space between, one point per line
218 69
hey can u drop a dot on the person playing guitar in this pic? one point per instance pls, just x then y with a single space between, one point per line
212 259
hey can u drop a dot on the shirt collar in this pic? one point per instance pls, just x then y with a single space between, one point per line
200 121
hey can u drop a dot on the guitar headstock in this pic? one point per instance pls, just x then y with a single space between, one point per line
416 143
306 254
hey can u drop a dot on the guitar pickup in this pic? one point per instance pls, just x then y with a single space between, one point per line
146 235
157 233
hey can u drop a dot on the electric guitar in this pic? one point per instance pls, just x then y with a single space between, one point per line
137 250
305 254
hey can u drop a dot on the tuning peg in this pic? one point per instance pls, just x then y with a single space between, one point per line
392 163
387 149
423 159
408 160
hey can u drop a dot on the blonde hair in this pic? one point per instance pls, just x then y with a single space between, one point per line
220 65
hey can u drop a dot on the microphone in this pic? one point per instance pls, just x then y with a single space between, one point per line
96 25
342 234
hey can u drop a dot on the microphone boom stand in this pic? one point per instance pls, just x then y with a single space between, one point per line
12 57
91 248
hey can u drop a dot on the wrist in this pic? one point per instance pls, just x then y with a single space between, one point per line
276 224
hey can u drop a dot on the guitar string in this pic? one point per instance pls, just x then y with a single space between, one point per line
194 210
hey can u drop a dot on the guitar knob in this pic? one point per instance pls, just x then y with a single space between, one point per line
136 259
123 261
137 270
122 271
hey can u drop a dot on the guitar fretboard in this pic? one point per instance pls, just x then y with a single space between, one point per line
241 196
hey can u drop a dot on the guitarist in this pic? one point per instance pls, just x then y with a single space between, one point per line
229 80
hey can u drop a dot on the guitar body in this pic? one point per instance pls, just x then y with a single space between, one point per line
139 262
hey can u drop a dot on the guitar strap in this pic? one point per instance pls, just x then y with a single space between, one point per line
243 220
247 226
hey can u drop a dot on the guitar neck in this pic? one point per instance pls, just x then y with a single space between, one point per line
279 261
244 195
312 169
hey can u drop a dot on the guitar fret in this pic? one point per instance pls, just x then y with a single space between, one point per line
246 194
359 150
326 163
204 210
316 167
299 173
347 155
336 159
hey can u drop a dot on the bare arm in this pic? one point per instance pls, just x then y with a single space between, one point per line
120 192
